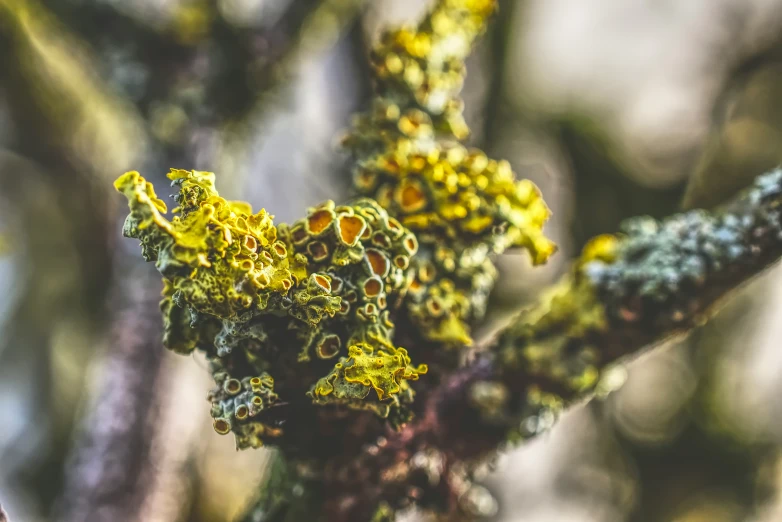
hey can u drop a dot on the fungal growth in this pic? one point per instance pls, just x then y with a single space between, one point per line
463 206
273 307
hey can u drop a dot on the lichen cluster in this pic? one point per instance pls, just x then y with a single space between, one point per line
661 267
463 206
553 341
307 311
654 276
364 256
270 307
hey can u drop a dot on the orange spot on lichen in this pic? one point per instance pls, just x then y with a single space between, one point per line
336 285
434 307
393 224
221 426
378 262
402 262
242 412
381 240
350 229
411 244
365 179
280 249
318 250
372 287
250 243
323 282
410 196
427 272
233 386
298 235
328 347
319 221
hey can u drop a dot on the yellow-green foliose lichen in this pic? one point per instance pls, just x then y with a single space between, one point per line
259 300
463 206
364 257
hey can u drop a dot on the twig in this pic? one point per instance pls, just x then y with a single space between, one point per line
3 515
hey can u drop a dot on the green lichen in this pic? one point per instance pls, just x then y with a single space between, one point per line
218 257
463 206
364 256
661 267
627 290
259 300
384 370
236 403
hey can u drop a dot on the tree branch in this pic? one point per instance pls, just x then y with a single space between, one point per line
625 293
287 494
105 479
3 515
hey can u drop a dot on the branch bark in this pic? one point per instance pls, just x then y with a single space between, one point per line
105 476
624 294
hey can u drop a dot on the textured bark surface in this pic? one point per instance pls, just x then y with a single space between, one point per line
105 478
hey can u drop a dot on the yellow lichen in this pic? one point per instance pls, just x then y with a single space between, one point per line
409 159
384 370
205 251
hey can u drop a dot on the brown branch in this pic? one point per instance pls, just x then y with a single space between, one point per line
3 515
105 476
626 292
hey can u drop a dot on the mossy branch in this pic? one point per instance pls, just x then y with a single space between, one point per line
626 292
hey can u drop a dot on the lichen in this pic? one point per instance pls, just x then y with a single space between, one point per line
260 300
384 370
626 289
218 257
660 268
363 256
236 404
463 206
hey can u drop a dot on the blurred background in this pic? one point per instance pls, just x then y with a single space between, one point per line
614 107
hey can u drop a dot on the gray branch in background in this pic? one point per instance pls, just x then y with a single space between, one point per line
105 479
